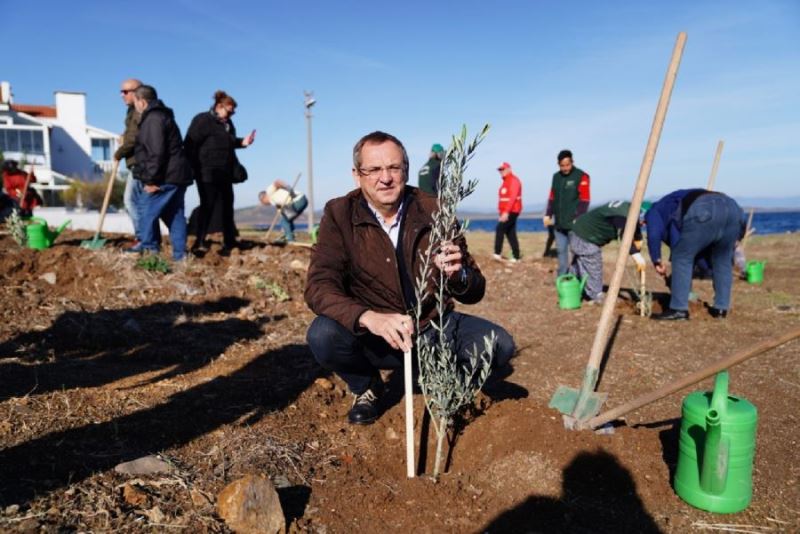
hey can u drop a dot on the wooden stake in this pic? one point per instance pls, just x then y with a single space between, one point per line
748 229
409 390
693 378
642 292
601 337
715 166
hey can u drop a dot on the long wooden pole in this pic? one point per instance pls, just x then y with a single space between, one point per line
748 228
715 166
601 337
107 199
693 378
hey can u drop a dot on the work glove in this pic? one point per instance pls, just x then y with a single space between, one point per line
638 259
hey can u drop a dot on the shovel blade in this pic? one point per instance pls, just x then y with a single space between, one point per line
565 400
93 244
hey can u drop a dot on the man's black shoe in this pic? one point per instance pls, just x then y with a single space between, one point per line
716 313
365 408
672 315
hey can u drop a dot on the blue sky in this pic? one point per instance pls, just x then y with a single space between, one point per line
545 75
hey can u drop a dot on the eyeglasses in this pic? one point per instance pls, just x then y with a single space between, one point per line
126 91
375 172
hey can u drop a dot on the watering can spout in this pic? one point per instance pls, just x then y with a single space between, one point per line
714 468
61 229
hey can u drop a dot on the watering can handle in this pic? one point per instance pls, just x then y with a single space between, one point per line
719 399
583 281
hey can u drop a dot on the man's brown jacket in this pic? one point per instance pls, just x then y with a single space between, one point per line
354 266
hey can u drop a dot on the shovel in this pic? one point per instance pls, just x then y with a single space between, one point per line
577 405
97 243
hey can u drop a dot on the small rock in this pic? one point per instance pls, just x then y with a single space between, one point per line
298 265
133 495
250 505
155 515
29 526
12 510
324 383
146 465
50 278
199 499
391 434
281 481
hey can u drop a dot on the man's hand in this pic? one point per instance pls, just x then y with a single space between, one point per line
547 221
152 189
639 261
661 269
395 328
448 259
503 217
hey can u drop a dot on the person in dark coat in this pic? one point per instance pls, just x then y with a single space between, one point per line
164 172
210 144
361 278
430 172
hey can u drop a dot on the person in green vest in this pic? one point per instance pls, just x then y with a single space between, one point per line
569 199
590 234
429 173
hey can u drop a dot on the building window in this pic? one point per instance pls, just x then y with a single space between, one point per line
22 141
101 149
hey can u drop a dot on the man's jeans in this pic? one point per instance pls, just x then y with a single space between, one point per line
357 358
289 214
167 205
713 221
562 245
132 199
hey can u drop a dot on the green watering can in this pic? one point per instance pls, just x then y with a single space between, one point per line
39 234
570 291
754 271
716 448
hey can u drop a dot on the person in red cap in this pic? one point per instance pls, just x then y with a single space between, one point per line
509 206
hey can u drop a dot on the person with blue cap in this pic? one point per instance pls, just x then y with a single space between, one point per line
430 172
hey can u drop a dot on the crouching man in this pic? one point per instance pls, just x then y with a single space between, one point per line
362 275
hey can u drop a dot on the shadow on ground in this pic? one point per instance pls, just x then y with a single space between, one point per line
598 495
90 349
267 383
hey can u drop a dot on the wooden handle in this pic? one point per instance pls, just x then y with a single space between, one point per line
601 336
693 378
409 391
715 166
107 198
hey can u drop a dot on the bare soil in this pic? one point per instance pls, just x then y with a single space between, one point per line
208 367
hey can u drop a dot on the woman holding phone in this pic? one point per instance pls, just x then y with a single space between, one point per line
210 144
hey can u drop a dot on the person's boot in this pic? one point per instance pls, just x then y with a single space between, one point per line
716 313
366 406
672 315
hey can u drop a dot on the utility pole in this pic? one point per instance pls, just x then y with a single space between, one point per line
309 102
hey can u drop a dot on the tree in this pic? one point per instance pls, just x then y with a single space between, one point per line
448 387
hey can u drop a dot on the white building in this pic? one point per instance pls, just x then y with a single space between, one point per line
55 140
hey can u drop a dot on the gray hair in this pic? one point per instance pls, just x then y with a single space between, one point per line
146 92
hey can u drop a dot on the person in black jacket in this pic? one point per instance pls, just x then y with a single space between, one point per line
164 172
210 144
